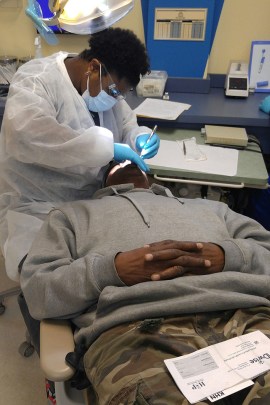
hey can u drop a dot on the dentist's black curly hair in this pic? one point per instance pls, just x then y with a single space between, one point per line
121 52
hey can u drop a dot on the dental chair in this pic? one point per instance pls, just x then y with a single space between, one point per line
6 293
26 348
56 340
53 340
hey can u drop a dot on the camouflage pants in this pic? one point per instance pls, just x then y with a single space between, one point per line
126 363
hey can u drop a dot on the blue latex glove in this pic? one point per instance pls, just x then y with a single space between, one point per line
124 152
265 105
147 149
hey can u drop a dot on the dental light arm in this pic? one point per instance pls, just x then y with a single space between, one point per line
56 7
81 17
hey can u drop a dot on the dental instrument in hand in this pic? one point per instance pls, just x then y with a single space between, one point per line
148 140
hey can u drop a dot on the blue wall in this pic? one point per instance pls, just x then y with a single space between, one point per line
184 58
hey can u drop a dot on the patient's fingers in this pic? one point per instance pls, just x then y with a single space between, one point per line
174 244
179 271
170 273
188 249
169 253
184 260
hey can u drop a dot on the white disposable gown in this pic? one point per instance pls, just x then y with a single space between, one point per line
50 150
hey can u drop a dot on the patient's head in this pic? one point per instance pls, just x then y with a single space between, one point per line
123 173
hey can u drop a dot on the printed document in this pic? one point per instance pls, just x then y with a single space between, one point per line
230 365
162 109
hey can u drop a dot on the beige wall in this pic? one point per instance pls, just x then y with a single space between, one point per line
241 22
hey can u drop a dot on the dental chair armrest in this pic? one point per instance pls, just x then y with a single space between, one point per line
56 340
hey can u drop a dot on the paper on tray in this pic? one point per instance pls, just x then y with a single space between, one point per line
223 161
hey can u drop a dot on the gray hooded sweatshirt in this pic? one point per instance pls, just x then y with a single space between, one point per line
70 271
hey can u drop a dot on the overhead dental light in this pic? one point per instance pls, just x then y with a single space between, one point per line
77 16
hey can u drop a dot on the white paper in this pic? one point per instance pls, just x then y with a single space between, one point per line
219 160
216 396
162 109
221 366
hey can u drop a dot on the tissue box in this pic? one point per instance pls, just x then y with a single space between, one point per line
152 85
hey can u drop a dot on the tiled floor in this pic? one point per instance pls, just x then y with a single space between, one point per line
21 381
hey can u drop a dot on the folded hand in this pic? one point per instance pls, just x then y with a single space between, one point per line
167 260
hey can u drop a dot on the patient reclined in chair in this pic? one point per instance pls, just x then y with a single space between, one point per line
145 276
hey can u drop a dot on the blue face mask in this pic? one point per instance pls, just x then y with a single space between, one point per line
102 102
